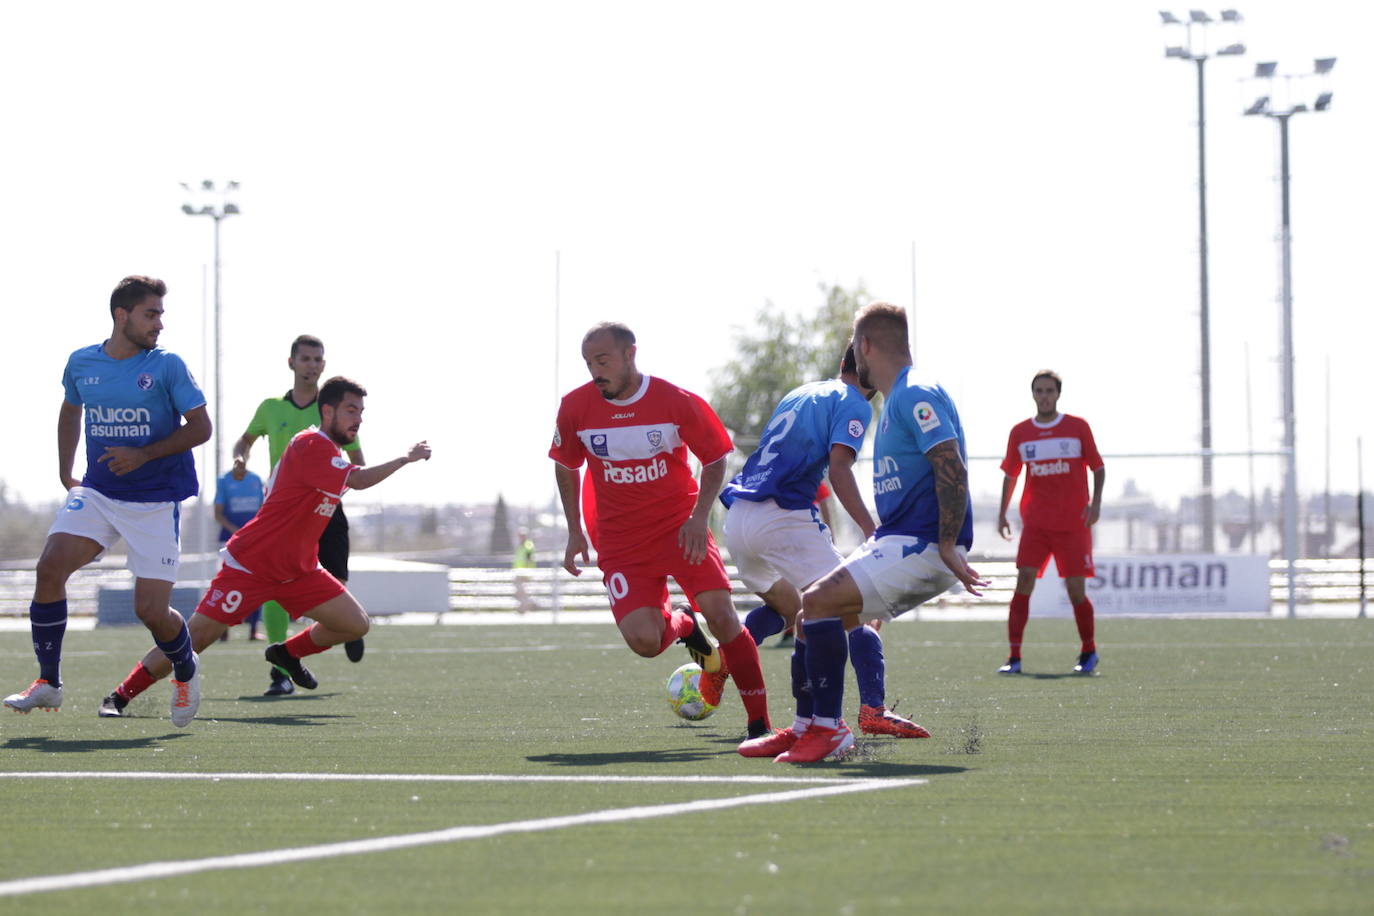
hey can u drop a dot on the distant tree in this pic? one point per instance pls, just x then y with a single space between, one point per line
778 353
500 527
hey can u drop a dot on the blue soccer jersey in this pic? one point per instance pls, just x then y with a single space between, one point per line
915 418
239 499
794 450
133 402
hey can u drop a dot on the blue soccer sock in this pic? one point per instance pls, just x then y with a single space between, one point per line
763 622
178 651
866 655
827 651
801 688
48 623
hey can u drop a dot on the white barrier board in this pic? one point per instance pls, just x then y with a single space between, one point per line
1164 584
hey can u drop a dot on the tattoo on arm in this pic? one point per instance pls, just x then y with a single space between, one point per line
951 487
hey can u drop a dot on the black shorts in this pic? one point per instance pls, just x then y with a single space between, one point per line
334 545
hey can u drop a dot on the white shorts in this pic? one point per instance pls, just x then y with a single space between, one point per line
152 531
895 573
768 543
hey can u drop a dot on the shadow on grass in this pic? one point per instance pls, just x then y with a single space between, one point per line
88 745
259 698
1062 676
304 718
616 758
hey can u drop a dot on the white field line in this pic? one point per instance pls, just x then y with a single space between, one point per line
153 870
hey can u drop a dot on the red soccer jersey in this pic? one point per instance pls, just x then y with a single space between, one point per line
1057 457
282 542
636 454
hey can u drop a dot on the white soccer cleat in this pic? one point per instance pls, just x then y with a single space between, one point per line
40 694
186 697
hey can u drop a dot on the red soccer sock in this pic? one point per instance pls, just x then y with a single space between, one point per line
139 680
1017 616
742 656
676 624
303 644
1083 616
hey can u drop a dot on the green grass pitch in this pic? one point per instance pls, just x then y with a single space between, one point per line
1210 767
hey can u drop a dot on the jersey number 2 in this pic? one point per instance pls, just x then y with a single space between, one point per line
766 454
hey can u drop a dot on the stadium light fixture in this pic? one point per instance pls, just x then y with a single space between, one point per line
212 201
1281 87
1194 49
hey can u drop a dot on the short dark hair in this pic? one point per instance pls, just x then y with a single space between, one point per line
1052 376
332 392
885 325
134 289
306 340
848 364
624 337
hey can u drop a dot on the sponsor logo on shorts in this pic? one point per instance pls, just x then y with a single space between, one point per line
144 382
599 446
1048 468
643 473
925 416
75 504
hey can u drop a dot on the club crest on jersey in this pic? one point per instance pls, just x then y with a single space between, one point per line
856 429
925 416
1030 450
144 382
655 439
599 445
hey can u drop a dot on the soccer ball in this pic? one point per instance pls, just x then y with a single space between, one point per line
684 693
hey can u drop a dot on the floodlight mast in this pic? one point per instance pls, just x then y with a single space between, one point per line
1289 105
217 207
1198 55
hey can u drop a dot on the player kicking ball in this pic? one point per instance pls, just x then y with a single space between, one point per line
275 556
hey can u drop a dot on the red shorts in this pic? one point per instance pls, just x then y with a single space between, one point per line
641 580
1072 550
234 594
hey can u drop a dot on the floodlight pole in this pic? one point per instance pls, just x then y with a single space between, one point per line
217 212
1186 52
1290 463
1204 309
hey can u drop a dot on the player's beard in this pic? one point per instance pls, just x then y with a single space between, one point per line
340 436
146 342
865 382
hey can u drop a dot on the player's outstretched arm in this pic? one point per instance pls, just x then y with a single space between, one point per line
68 437
370 476
196 429
951 492
847 488
569 482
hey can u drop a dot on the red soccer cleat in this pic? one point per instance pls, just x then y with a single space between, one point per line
879 720
770 745
819 743
712 685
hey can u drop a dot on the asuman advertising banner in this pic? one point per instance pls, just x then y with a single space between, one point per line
1164 584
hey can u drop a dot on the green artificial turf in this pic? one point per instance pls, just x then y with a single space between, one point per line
1211 767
